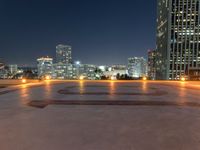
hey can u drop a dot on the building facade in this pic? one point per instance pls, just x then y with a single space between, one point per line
3 71
65 71
13 69
64 54
85 70
194 74
178 46
137 67
119 67
45 66
88 70
152 64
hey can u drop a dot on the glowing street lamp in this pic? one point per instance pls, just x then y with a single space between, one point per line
47 77
144 78
78 62
81 77
183 79
24 81
112 78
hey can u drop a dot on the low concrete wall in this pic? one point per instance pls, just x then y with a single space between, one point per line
13 82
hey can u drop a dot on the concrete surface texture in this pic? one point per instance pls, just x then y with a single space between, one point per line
107 115
16 82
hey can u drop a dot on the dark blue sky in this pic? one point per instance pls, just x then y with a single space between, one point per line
100 31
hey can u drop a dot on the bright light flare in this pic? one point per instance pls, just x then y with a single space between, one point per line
112 78
144 78
183 79
81 77
24 80
78 62
47 77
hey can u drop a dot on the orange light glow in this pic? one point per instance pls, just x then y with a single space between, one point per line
112 88
183 79
144 78
47 77
82 87
81 77
112 78
24 81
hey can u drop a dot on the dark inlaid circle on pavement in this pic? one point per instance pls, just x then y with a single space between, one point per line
68 91
43 104
7 91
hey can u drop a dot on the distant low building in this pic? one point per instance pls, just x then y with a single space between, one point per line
3 74
114 73
102 68
115 70
45 66
2 65
194 74
12 69
119 67
59 70
3 71
64 71
85 70
137 67
88 70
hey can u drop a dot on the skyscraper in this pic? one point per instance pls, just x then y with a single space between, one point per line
64 54
151 64
137 67
178 38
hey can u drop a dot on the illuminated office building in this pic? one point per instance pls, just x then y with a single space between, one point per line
65 71
13 69
137 67
151 64
45 66
3 71
178 38
64 54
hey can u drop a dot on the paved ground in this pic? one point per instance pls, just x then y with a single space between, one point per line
87 115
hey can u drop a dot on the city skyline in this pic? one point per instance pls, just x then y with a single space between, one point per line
93 34
62 67
73 61
99 74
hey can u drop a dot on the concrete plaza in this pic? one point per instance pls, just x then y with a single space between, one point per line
103 115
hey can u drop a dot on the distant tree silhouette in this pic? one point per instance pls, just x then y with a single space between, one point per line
104 77
29 74
118 76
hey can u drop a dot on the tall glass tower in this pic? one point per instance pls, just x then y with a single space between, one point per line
178 38
64 54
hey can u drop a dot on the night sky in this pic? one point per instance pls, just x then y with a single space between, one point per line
99 31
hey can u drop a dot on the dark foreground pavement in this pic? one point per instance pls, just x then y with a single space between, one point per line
86 115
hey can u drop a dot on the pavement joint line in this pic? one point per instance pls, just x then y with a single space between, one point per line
45 103
8 91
